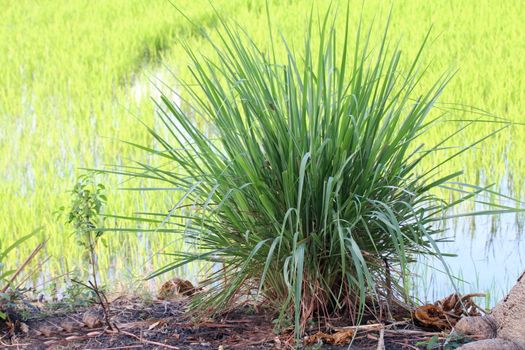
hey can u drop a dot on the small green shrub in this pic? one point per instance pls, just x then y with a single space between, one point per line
453 342
74 295
85 215
306 185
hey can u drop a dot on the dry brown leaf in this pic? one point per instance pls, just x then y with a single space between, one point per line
341 337
176 287
431 316
157 324
449 303
445 313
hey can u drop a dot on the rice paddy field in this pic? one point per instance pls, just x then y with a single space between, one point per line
77 78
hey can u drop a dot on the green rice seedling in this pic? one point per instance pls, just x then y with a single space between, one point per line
71 73
306 187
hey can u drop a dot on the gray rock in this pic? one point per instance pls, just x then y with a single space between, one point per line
506 323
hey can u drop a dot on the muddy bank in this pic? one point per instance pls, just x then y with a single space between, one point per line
157 324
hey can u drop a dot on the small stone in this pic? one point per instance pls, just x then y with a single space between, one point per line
67 326
24 327
491 344
91 319
481 327
508 316
46 331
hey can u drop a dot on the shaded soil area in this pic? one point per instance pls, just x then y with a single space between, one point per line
157 324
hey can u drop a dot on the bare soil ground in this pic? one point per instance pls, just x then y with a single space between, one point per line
159 324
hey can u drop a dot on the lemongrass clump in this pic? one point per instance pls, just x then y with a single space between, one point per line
306 185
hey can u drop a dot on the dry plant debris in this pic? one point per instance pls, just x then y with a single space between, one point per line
176 287
378 336
445 313
166 325
141 324
341 337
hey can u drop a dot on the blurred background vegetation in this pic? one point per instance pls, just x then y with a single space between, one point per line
76 78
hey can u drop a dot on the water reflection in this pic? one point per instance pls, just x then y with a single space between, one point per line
490 257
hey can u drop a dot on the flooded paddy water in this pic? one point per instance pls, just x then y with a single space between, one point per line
489 250
490 256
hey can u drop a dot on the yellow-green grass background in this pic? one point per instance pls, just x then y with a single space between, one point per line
74 82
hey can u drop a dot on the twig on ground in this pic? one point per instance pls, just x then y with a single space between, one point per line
381 341
145 341
414 332
407 345
21 268
17 345
102 300
366 327
104 303
75 320
124 347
